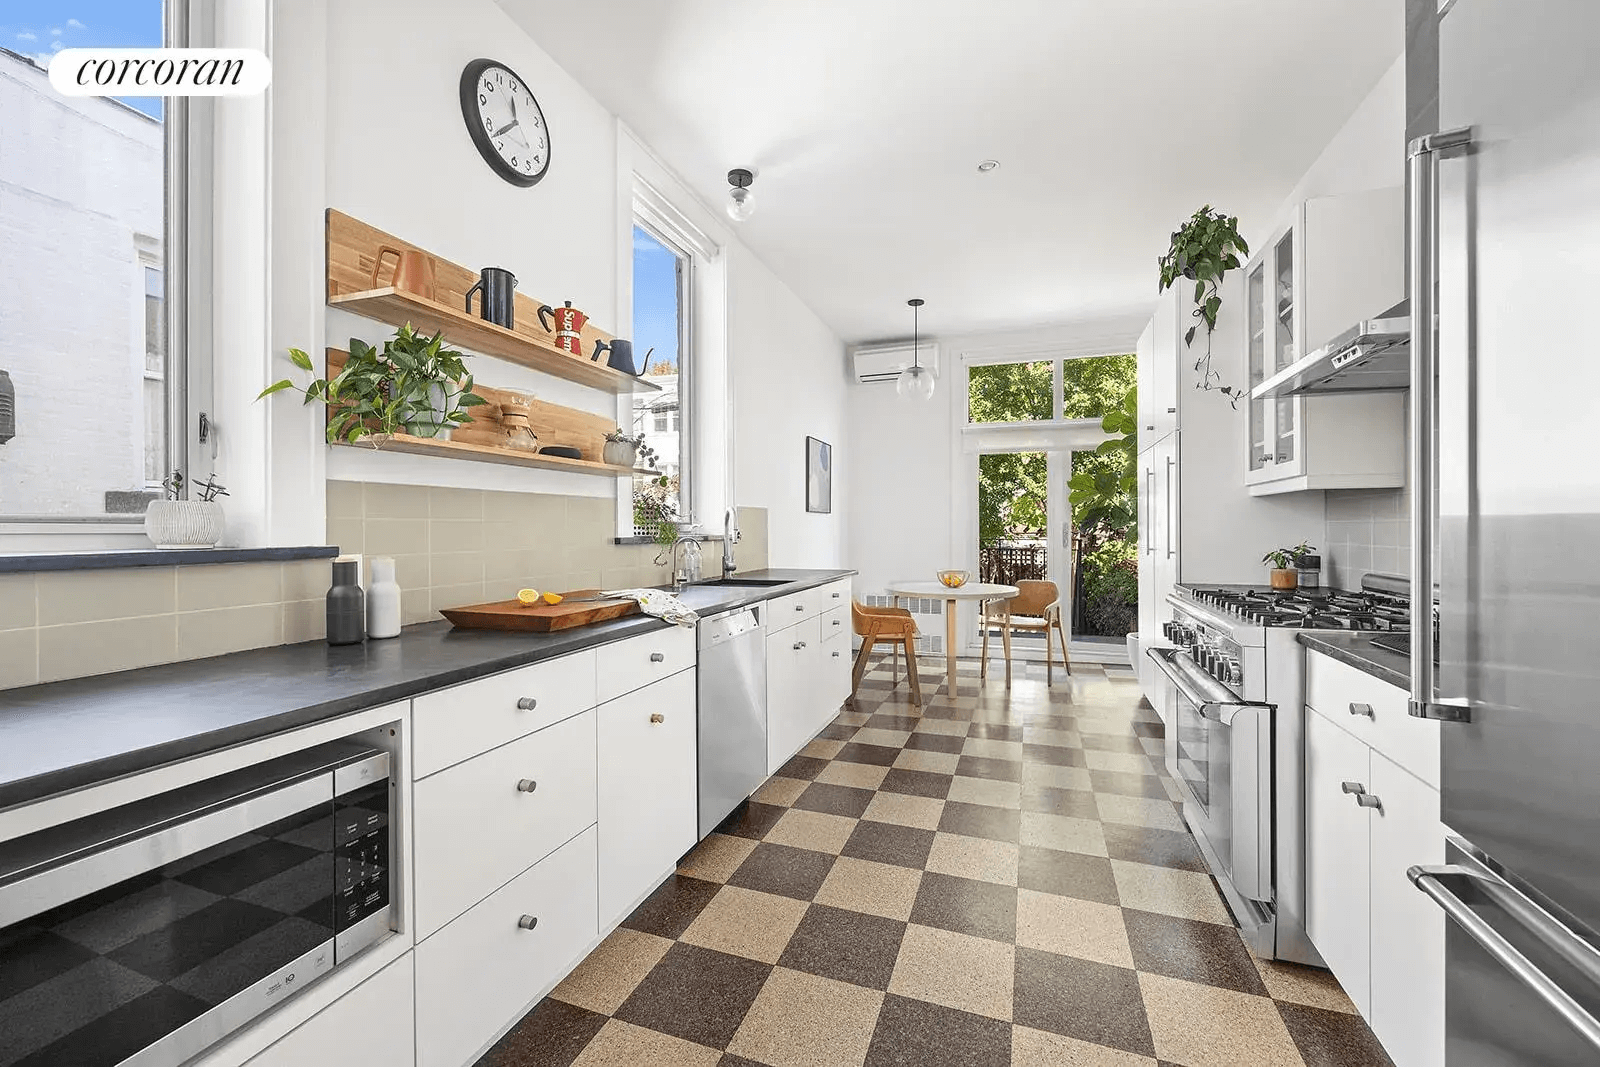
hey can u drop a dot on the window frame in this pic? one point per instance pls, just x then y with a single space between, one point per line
654 223
182 141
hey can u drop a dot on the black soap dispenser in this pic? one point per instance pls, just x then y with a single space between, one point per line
347 609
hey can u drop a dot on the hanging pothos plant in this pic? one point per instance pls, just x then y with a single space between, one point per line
1203 250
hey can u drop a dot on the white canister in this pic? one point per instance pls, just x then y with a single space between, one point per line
383 600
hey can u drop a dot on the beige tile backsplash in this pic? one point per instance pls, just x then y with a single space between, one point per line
451 547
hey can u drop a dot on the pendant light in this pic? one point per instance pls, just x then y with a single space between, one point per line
741 200
916 382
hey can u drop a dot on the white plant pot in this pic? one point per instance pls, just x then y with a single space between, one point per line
184 523
619 454
434 427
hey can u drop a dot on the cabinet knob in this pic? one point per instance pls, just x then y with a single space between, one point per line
527 785
1369 800
657 718
1353 787
528 922
836 596
1172 411
798 645
527 703
836 622
1151 426
657 657
799 607
1361 709
836 655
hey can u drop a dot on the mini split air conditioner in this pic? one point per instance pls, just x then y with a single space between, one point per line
883 363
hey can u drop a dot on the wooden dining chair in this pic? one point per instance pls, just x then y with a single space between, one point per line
1036 608
892 626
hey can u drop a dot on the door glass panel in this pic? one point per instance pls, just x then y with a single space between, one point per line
1283 262
1285 426
1258 365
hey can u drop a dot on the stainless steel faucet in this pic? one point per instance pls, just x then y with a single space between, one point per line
677 573
730 537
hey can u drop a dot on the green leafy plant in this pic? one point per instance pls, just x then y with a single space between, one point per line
1203 250
1284 558
413 385
655 505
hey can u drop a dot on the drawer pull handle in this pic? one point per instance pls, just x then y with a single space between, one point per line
528 922
836 655
836 622
799 607
657 657
527 703
1353 787
1362 709
657 718
1369 800
836 596
527 785
798 645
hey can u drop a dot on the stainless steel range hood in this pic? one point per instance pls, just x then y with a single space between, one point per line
1371 356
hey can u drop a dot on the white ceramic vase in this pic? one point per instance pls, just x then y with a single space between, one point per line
619 453
435 426
184 523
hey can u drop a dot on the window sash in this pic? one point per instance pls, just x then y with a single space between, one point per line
646 218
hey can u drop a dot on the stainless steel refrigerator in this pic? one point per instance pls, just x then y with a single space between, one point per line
1506 455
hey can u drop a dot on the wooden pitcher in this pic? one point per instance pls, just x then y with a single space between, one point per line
413 271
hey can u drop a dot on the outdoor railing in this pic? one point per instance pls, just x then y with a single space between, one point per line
1009 564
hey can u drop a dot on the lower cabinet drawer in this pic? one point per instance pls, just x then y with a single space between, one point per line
479 823
636 662
835 622
479 974
370 1024
1374 711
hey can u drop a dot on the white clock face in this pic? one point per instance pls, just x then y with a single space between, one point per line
512 124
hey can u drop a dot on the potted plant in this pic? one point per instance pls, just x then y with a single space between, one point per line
653 507
1203 249
621 450
1284 575
175 522
414 386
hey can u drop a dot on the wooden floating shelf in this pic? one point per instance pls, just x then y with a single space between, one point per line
396 308
431 446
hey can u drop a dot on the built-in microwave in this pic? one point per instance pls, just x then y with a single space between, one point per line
143 934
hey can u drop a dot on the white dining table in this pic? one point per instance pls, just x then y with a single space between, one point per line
979 591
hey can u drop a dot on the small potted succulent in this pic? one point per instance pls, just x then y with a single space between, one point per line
176 522
1284 575
621 450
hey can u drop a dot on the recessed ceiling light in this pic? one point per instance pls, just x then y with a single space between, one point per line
987 165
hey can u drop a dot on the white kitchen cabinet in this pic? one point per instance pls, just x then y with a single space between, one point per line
480 823
370 1024
1408 929
478 975
1339 260
647 790
1382 938
624 666
834 681
794 690
1338 856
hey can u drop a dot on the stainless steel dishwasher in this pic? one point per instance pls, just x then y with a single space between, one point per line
733 711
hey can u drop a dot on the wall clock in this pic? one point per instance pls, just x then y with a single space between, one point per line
505 122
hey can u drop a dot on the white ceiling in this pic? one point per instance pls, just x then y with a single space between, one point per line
865 121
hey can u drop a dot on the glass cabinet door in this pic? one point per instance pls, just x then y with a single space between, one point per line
1285 347
1257 307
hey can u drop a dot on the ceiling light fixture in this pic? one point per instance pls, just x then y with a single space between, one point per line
987 165
741 201
916 382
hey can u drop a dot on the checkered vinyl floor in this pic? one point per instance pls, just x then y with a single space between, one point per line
1000 878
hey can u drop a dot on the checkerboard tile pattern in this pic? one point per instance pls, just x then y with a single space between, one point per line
999 877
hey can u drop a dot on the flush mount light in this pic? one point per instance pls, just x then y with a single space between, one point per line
741 201
916 382
987 165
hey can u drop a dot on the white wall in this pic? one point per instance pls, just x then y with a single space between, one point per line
789 382
1368 152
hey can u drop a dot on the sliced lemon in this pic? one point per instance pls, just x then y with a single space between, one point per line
553 598
528 596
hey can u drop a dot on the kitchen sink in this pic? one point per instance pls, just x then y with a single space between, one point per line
748 583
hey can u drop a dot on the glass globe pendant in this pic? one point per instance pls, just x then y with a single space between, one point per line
741 199
916 382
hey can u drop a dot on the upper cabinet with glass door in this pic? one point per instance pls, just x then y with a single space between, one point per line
1340 259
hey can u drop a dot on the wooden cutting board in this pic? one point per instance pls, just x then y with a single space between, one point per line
540 618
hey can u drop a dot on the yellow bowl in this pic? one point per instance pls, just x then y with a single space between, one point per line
954 579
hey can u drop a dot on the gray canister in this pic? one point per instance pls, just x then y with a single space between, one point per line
1310 571
347 611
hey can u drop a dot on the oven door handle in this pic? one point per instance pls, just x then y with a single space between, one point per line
1214 700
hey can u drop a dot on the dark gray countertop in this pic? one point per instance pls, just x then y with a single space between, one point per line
1358 651
65 735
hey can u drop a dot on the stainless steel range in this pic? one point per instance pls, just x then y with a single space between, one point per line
1234 695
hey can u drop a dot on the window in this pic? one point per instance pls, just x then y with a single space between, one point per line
84 309
1010 392
661 280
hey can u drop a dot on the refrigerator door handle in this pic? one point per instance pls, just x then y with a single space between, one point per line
1423 160
1440 882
